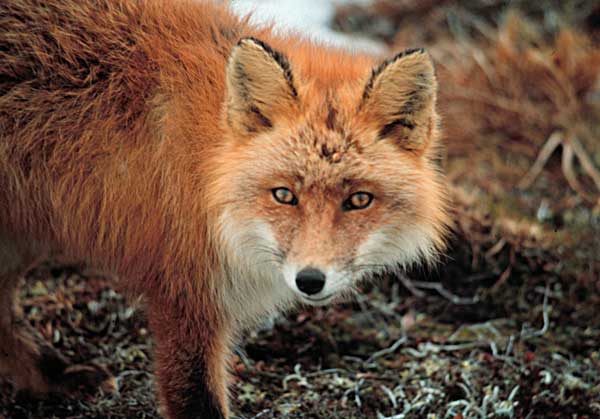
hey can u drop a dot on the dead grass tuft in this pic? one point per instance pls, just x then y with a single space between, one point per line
516 92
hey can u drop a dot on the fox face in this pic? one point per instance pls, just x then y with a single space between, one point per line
327 183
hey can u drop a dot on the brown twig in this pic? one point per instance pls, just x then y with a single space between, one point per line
546 151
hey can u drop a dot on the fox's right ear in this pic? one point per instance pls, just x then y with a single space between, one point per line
259 84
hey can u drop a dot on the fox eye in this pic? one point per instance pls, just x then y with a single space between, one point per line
357 201
284 196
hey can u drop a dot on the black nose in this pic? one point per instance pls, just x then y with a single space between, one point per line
310 281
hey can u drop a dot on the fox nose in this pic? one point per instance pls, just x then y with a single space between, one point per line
310 281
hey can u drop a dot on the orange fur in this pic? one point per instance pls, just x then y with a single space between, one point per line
129 142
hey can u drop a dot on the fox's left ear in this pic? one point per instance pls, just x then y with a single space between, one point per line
400 97
259 86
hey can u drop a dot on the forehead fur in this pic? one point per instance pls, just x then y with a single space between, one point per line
315 154
321 154
322 68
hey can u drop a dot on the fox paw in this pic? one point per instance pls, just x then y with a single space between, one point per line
57 376
87 379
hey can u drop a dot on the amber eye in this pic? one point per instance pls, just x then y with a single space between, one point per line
284 196
357 201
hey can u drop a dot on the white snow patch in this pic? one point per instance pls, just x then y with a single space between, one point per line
309 17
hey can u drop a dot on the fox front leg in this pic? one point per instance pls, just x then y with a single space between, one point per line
191 352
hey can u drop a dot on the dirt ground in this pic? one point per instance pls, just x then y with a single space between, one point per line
507 325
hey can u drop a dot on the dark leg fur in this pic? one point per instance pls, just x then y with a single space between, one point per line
200 403
190 355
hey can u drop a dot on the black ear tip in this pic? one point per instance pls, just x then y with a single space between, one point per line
250 39
245 39
410 51
407 52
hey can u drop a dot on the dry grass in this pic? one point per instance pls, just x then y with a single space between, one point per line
514 92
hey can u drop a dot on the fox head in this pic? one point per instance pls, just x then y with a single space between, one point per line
327 173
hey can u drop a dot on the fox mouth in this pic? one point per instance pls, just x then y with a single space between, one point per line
318 301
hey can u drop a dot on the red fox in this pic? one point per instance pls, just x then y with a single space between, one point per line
217 169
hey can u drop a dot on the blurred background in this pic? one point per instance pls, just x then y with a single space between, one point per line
508 324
